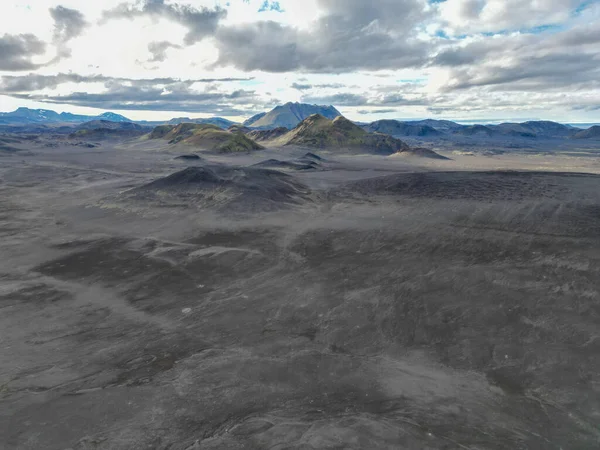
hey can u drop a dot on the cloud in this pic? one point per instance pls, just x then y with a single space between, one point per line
154 94
200 22
16 52
352 99
68 23
159 50
476 16
375 111
301 87
340 99
350 35
526 62
32 82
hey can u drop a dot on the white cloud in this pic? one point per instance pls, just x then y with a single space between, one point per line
410 58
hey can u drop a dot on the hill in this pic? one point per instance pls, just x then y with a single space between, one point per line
319 132
105 129
267 135
95 124
290 115
237 128
545 128
207 137
396 128
590 133
474 130
229 189
440 125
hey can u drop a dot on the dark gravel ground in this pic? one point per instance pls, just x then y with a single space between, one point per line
452 310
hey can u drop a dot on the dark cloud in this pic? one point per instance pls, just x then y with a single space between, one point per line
200 22
454 57
544 63
159 50
341 99
16 52
108 103
536 70
398 100
376 111
352 34
68 23
33 82
301 87
159 94
330 86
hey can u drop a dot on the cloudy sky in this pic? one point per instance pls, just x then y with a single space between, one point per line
157 59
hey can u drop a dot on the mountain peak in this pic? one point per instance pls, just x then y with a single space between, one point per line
289 115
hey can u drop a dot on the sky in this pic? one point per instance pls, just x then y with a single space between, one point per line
372 59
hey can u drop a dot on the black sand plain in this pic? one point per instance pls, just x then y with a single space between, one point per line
336 302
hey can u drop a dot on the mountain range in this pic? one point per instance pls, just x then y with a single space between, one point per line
319 132
288 116
43 116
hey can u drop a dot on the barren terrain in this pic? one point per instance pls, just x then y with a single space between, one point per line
351 302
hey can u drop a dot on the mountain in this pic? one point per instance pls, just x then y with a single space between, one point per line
254 119
29 116
107 124
474 130
206 136
218 121
105 129
112 117
440 125
540 129
396 128
237 128
548 129
290 115
512 129
267 135
317 131
26 115
590 133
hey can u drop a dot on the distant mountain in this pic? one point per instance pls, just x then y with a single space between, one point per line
474 130
254 119
105 129
218 121
530 129
512 129
205 136
590 133
107 124
320 132
396 128
290 115
440 125
545 128
23 116
112 117
267 135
